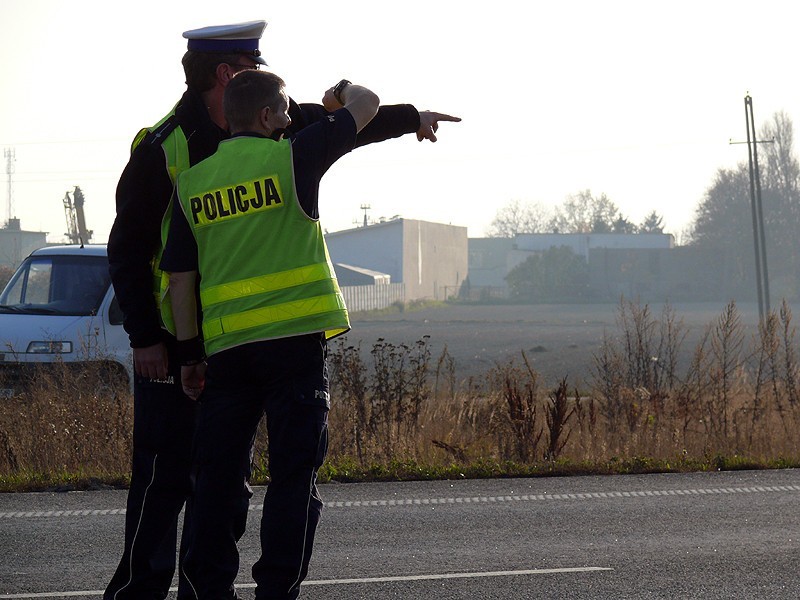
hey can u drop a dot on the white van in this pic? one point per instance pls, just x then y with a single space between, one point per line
59 307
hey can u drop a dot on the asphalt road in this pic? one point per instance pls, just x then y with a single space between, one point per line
705 535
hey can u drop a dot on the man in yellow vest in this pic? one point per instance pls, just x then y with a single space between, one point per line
164 417
244 223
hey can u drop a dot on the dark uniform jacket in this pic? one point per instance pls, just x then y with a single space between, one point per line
144 191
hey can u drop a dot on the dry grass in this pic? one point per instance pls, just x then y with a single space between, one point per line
736 397
67 425
399 412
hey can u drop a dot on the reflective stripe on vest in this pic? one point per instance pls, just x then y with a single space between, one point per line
265 283
264 269
275 321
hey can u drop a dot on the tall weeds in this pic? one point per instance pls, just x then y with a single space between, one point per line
381 415
558 414
516 418
636 370
350 375
647 397
67 421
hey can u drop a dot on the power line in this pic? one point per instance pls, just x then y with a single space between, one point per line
59 142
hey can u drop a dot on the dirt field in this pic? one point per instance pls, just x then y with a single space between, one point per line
560 340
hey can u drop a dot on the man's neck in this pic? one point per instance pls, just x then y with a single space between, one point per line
213 102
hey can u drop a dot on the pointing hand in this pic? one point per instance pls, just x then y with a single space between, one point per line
429 124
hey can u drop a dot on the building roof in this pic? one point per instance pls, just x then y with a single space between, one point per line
362 270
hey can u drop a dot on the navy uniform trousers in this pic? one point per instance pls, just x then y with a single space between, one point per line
164 424
285 380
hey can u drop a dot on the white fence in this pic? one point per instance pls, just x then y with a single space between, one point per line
372 297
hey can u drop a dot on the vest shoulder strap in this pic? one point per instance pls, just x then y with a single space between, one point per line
155 135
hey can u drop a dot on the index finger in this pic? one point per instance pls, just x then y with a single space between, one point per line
444 117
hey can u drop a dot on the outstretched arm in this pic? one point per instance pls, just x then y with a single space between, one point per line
361 102
393 121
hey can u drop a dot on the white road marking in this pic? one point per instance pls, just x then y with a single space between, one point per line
430 577
569 496
439 501
23 514
458 575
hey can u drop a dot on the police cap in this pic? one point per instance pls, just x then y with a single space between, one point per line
241 38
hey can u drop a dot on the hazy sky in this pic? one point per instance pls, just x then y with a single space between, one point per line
637 100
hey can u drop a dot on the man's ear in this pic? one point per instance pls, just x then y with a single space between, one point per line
264 116
224 73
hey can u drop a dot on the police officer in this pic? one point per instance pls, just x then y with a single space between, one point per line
242 225
164 417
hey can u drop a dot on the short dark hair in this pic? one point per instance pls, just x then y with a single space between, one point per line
247 93
200 67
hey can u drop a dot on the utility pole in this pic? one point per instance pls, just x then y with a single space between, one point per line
756 210
10 155
365 208
759 241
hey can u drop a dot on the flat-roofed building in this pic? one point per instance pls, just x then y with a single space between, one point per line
16 244
429 259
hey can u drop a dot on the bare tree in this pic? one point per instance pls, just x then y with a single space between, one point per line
782 171
585 213
516 217
575 214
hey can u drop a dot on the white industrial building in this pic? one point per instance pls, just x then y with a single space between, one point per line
428 259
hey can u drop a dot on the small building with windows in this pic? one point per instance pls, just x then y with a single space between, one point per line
492 259
582 244
16 244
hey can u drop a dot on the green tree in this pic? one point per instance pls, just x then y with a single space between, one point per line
653 223
623 225
724 210
723 222
5 275
554 275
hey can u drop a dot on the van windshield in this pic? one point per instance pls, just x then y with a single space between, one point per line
58 285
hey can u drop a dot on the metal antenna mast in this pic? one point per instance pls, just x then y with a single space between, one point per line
10 156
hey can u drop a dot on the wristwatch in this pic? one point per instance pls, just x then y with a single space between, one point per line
338 89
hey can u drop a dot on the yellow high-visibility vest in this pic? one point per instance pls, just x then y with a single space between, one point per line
265 272
176 152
